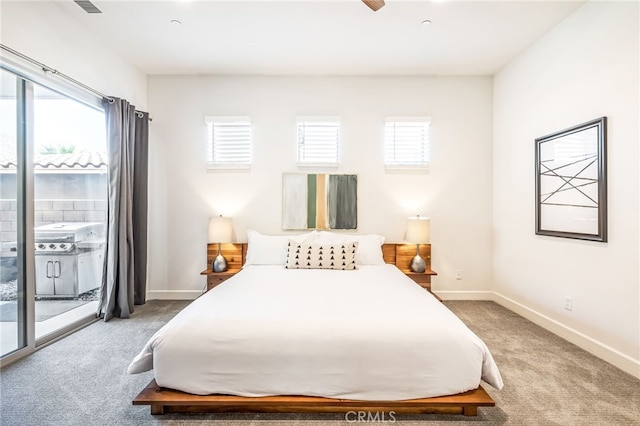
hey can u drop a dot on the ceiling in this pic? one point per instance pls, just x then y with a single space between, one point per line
337 37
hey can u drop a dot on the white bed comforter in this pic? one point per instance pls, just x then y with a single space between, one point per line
369 334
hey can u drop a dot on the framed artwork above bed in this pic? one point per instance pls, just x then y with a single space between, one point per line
319 201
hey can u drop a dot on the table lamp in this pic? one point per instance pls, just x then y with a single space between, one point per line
219 232
418 233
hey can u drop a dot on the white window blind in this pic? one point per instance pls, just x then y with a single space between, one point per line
407 142
318 140
228 142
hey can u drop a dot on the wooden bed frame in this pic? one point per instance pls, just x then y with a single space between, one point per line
164 400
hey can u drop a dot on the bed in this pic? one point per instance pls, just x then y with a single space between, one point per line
330 340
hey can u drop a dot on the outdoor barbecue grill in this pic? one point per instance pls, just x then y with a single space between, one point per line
69 258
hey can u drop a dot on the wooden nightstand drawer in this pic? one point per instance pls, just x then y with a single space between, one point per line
215 278
422 278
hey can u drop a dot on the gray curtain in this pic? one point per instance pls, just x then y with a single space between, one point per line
124 277
140 184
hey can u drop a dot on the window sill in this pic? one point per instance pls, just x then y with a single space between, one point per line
318 165
228 168
407 169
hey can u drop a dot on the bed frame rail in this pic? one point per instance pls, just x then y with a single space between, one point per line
163 401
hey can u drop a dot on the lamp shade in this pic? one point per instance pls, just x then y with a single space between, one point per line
220 229
418 230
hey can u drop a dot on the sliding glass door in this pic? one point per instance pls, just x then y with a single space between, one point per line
53 211
12 256
70 209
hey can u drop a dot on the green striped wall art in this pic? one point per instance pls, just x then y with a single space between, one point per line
319 201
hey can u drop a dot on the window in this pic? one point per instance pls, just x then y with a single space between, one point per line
228 142
318 140
407 142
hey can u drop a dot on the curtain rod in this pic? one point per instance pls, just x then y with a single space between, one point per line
54 71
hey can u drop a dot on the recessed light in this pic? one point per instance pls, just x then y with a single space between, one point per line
175 22
426 22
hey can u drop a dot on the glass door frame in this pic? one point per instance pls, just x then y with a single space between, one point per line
24 234
25 197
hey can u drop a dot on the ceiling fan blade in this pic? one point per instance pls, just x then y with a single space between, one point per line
374 4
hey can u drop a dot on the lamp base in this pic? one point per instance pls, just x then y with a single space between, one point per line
417 263
219 264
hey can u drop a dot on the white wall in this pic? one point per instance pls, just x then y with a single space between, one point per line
585 68
42 31
456 193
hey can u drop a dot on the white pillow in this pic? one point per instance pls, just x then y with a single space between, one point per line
369 245
321 256
272 249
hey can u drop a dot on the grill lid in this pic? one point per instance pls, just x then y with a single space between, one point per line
69 232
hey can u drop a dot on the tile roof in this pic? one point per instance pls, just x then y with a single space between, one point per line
74 161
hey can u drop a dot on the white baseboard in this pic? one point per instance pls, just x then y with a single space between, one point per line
173 294
464 295
594 347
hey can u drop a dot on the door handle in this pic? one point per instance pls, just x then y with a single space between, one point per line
56 274
47 269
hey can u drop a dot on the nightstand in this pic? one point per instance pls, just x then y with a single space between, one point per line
215 278
422 278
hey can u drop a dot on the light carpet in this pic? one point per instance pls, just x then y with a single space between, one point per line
82 379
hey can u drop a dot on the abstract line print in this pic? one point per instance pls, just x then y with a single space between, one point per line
319 201
569 179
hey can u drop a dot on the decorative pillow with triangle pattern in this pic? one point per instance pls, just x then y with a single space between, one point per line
321 256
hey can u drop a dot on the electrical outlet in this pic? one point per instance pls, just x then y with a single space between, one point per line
568 303
458 274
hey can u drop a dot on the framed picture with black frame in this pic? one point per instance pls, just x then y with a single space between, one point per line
571 182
